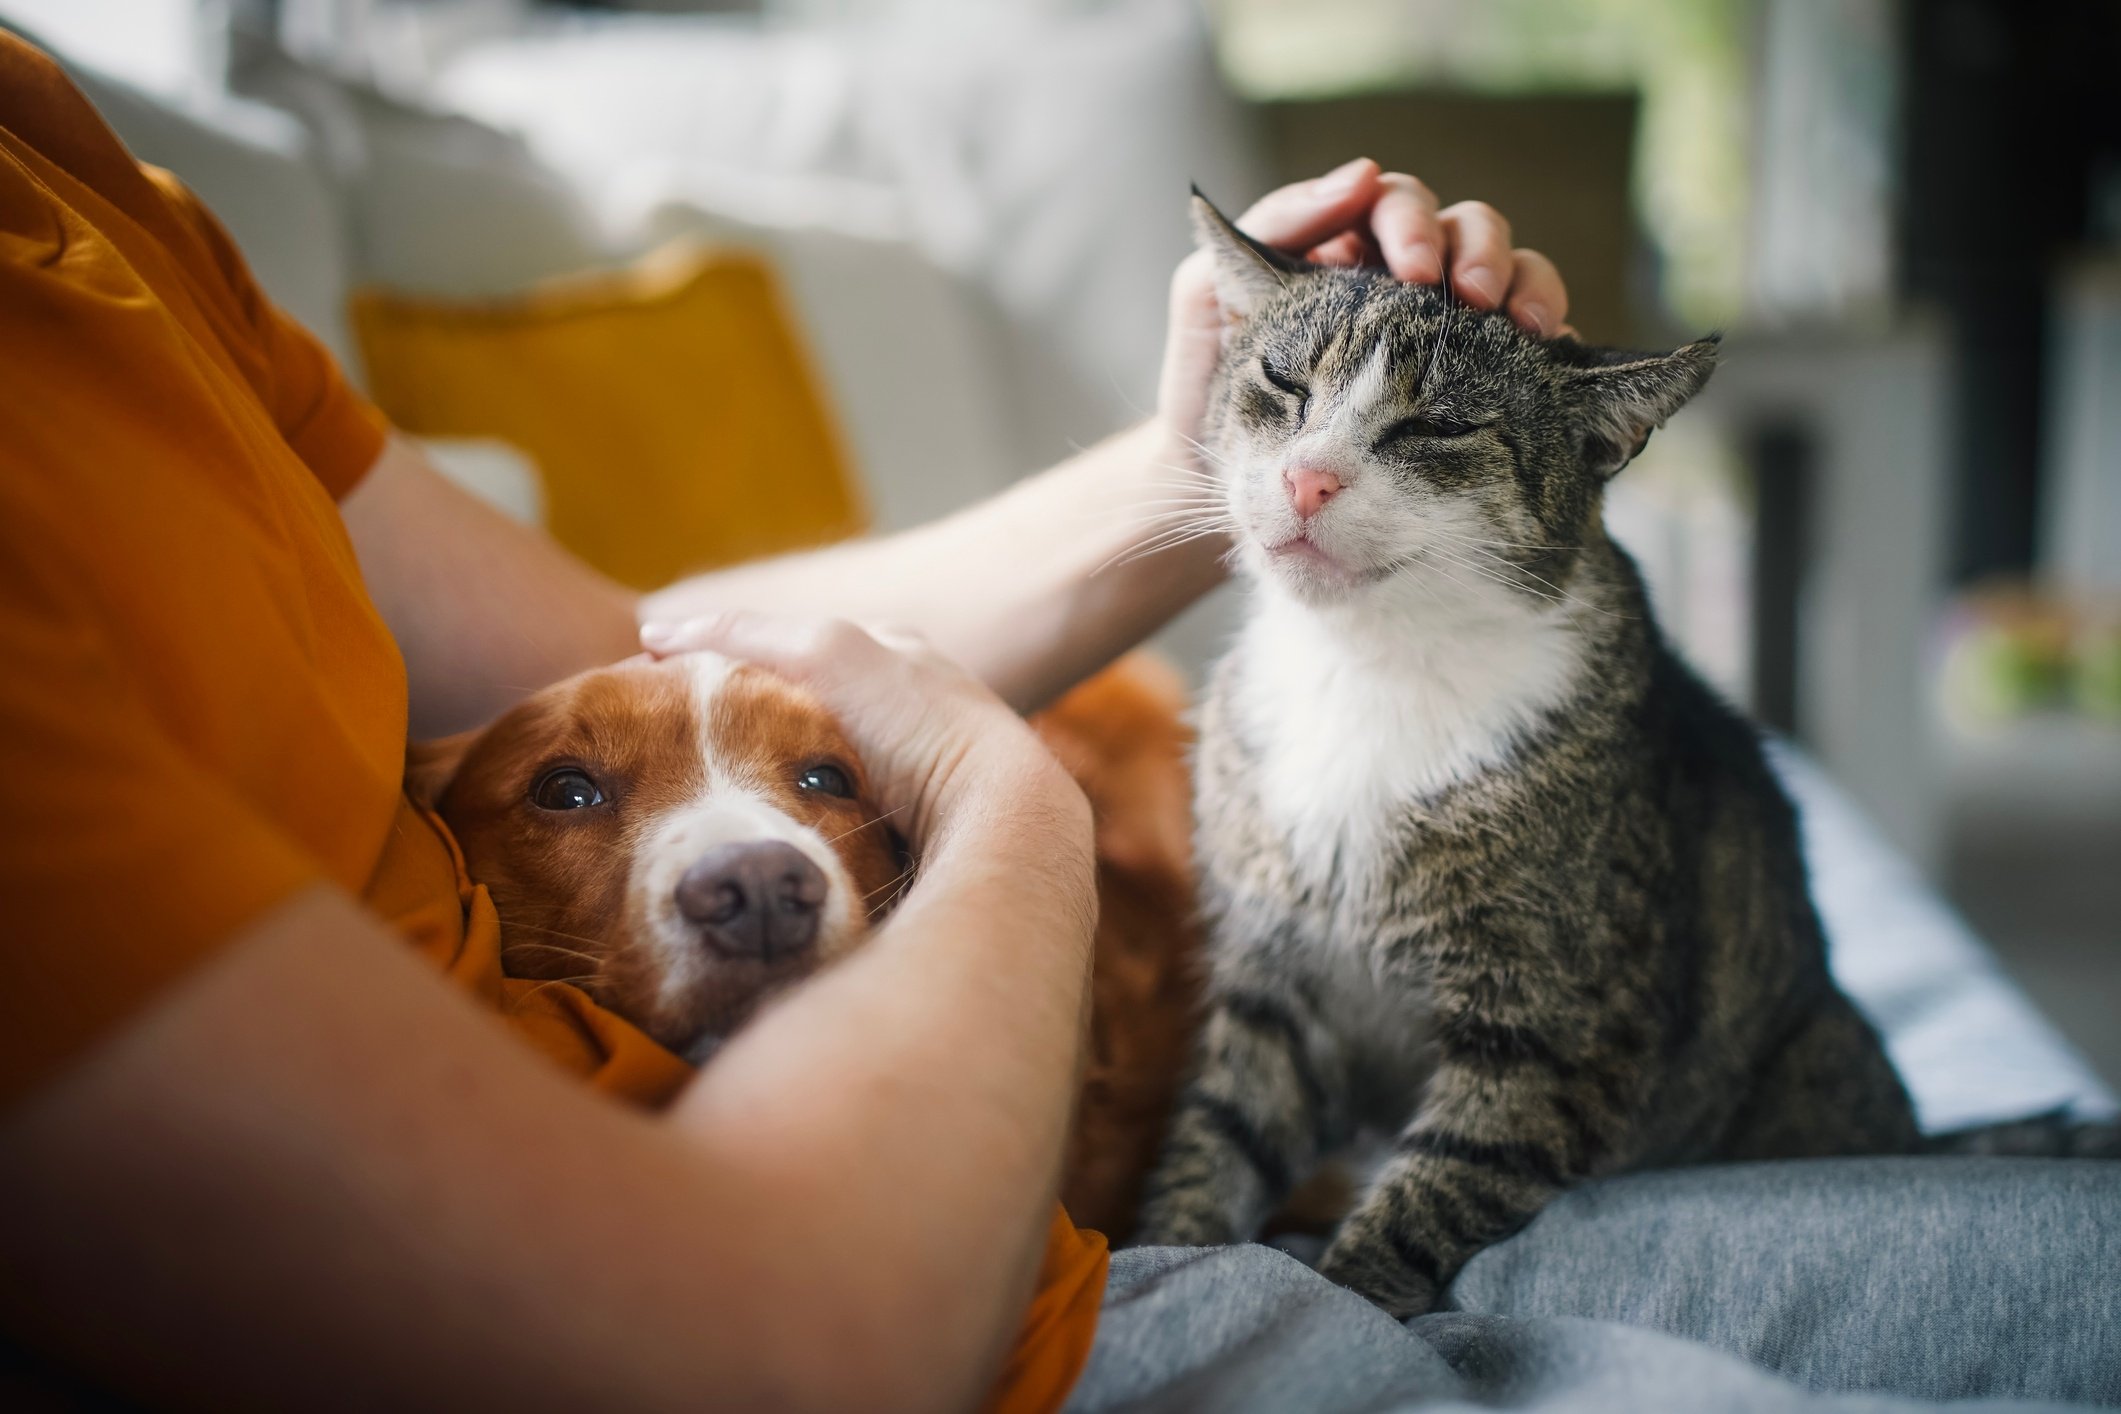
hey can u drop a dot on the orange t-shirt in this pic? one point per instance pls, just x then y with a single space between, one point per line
204 712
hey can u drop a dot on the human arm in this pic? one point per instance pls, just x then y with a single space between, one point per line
1041 585
311 1175
1032 589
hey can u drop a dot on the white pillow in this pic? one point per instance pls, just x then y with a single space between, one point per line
437 203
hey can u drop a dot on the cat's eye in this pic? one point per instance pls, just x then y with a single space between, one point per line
1289 384
1428 427
827 779
569 788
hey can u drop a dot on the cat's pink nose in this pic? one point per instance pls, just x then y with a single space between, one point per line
1310 489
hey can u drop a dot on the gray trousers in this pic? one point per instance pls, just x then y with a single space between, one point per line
1844 1285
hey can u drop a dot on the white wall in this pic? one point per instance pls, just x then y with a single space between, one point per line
168 46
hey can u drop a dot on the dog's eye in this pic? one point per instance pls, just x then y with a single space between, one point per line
828 778
566 789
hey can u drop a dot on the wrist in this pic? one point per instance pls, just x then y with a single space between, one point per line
1166 444
1014 809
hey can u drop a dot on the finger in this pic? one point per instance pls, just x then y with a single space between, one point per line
1538 301
903 639
793 646
1348 249
1308 213
1409 236
1479 252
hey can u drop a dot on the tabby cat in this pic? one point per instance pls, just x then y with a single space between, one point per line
1487 868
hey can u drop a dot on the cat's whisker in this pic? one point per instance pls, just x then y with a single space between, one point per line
1152 514
1177 480
1207 453
1497 577
1552 592
1485 543
1205 502
1169 540
1207 486
1439 569
1443 334
1214 460
1503 566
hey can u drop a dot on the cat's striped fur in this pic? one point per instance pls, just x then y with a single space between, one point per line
1487 868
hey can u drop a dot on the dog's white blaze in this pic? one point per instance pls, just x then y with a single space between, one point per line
729 808
709 671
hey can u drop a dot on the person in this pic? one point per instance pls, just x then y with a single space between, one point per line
263 1142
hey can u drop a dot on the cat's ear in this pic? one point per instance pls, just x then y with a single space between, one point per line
1246 272
1618 399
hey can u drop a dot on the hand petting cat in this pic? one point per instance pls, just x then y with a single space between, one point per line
1358 214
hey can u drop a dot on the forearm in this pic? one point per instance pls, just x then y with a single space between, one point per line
1031 590
314 1176
943 1059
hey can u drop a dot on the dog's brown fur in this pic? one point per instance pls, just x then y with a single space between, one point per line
562 906
1122 737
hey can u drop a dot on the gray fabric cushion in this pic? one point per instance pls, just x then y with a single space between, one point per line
1850 1285
1969 1044
1941 1278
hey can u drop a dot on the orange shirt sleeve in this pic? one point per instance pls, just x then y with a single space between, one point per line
180 250
336 432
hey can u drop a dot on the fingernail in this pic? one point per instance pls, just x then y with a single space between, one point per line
1535 318
1341 180
665 633
1481 284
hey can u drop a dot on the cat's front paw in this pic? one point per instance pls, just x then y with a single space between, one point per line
1373 1271
1181 1220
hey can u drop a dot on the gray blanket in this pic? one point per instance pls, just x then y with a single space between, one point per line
1847 1285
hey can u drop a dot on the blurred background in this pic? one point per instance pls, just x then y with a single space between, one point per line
1892 527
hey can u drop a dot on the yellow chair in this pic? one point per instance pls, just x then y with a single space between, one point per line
669 407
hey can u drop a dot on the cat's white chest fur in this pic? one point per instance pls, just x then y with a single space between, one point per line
1361 712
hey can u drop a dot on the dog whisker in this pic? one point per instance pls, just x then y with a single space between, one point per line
518 945
559 982
866 824
511 925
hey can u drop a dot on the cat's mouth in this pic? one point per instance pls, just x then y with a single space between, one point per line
1310 566
1303 549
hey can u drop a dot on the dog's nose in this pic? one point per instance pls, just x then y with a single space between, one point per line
756 899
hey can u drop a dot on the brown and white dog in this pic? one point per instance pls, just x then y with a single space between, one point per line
683 839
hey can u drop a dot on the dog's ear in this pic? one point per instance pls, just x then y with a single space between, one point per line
431 765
